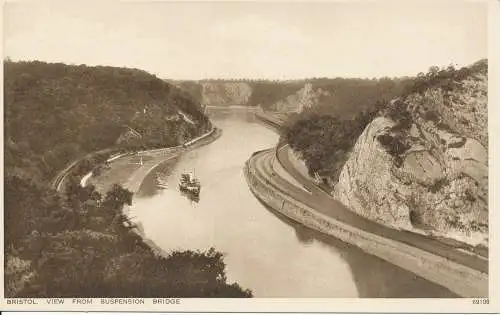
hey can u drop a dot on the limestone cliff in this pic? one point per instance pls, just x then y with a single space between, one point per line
306 97
226 93
424 166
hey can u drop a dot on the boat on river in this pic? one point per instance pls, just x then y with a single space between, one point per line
189 184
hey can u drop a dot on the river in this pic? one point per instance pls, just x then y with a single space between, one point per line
264 251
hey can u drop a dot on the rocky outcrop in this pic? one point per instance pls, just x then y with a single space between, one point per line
306 97
227 93
425 166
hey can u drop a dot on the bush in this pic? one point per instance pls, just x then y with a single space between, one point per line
470 196
398 112
444 126
434 188
458 144
393 144
432 115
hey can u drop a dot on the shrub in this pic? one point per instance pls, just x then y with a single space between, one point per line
470 196
454 222
399 113
434 188
432 115
444 126
458 144
393 144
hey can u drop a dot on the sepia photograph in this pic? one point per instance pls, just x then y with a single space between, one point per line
247 149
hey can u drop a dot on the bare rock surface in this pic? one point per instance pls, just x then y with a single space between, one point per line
366 184
431 176
235 93
306 97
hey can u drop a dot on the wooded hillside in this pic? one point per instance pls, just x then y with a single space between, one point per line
55 113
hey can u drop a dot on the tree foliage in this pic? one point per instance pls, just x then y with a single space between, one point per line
324 141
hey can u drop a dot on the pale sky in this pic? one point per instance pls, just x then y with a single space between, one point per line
180 40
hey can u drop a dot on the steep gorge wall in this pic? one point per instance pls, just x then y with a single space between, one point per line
432 173
306 97
274 96
230 93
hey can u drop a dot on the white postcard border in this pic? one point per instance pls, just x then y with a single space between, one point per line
337 304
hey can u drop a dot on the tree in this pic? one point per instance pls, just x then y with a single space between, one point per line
117 197
433 71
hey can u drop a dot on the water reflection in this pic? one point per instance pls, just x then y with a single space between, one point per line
157 179
374 277
191 196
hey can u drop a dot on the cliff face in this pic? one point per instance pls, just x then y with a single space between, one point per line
425 165
274 96
306 97
228 93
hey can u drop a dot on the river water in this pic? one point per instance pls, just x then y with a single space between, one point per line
264 251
